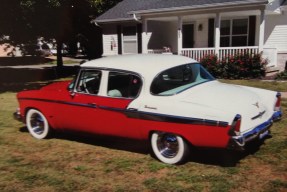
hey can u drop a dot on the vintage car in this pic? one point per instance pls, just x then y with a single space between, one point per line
170 100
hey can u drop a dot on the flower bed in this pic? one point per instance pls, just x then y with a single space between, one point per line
240 66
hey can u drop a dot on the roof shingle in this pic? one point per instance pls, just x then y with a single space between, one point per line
121 10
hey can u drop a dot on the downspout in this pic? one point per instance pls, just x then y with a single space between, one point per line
136 18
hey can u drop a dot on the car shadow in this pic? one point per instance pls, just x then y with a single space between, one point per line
111 142
224 157
207 156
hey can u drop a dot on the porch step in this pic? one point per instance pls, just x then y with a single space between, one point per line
272 69
271 73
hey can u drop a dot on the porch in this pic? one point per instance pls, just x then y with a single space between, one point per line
198 53
224 33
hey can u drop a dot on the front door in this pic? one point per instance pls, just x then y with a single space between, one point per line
99 105
188 36
78 109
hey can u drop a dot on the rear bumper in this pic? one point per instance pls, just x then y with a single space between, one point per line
259 132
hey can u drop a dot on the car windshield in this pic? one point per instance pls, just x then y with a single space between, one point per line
180 78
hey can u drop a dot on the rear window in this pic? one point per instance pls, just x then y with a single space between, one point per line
178 79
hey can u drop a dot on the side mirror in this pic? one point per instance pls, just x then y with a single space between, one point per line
72 93
70 88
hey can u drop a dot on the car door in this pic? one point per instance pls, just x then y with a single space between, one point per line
121 89
78 110
98 103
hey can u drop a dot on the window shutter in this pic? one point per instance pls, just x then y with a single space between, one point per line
251 33
119 32
210 32
139 34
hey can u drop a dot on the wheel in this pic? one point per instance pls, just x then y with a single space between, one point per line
169 148
37 124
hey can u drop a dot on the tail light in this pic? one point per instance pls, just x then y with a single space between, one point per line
235 126
278 103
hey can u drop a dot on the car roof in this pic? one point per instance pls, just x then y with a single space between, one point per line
143 64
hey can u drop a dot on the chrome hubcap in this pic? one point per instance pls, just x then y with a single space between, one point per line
167 145
37 124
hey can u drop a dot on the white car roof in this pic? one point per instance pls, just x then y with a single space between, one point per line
143 64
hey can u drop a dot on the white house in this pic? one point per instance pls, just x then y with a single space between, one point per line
197 27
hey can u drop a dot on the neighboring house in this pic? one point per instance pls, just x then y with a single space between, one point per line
197 27
7 50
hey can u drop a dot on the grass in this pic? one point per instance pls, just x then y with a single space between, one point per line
69 164
271 85
66 62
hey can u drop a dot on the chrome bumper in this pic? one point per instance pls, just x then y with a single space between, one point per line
17 116
259 132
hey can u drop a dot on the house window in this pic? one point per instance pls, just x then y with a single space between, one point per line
130 39
234 33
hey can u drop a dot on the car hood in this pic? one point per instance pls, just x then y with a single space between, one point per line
229 99
57 86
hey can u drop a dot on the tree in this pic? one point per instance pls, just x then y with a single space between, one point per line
26 20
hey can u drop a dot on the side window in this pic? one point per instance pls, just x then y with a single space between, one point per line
172 79
123 85
89 82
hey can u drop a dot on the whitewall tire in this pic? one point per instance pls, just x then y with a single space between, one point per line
169 148
37 124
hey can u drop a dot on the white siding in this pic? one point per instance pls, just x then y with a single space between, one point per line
276 32
110 40
201 37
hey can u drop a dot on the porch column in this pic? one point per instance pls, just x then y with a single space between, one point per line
217 33
144 37
179 35
261 29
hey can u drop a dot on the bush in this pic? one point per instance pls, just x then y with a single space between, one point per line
210 62
240 66
281 76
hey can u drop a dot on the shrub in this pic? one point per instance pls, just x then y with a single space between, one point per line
239 66
210 62
282 76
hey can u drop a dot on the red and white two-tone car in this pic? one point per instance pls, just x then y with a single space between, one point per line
170 100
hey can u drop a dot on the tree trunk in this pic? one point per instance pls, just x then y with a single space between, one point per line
59 54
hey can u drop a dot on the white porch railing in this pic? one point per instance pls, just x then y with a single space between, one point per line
198 53
224 52
155 51
231 51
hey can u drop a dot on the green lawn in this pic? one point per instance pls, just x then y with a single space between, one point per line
66 62
271 85
77 163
